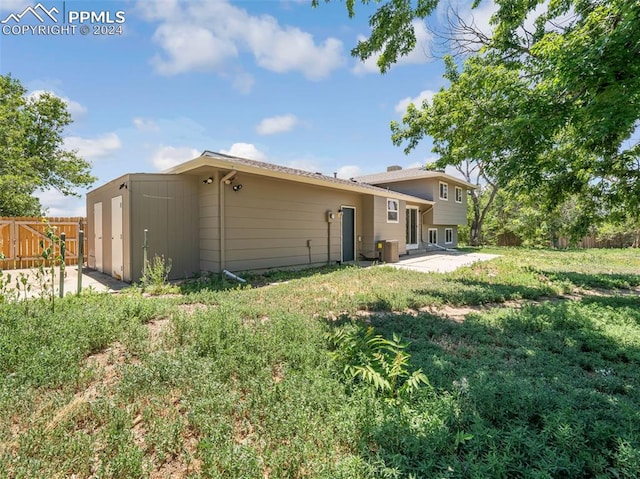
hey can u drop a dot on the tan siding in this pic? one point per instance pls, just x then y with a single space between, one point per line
167 206
422 188
183 223
444 212
441 235
389 231
209 226
268 223
367 246
449 212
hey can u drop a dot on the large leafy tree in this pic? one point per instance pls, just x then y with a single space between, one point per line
32 156
550 101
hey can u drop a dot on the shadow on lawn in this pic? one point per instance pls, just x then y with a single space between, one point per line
595 280
463 291
553 386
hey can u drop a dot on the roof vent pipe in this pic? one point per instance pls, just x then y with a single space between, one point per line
394 168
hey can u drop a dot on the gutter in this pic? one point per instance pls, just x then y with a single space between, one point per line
422 222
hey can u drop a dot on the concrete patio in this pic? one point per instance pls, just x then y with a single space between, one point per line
440 261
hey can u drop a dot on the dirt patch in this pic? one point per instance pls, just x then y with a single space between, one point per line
178 465
607 292
192 308
156 329
109 361
460 313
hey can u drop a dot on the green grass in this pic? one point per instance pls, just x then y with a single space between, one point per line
239 381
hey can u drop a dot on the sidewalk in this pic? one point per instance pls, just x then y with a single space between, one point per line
91 280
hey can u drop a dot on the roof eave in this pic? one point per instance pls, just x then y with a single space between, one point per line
453 179
203 161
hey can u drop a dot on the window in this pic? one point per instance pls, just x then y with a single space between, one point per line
448 235
458 194
393 206
444 191
433 236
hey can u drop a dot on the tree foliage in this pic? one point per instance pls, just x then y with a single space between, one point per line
551 99
32 156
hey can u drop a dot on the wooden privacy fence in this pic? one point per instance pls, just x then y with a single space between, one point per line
20 240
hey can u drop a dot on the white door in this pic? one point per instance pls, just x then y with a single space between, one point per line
412 228
97 235
116 237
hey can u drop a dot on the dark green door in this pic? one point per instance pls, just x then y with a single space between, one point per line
348 234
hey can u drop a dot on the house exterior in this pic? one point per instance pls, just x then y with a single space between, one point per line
438 225
218 212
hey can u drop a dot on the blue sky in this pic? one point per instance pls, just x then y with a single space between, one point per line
268 80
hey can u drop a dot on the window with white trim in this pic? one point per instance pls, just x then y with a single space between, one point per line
393 208
433 236
444 190
458 194
448 235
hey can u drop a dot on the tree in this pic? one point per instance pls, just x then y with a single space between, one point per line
554 96
31 150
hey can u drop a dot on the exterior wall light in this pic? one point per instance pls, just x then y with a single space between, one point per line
208 181
237 187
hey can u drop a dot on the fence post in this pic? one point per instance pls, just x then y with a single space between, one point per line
145 247
63 249
80 258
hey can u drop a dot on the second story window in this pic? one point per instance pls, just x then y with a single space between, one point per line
444 190
458 194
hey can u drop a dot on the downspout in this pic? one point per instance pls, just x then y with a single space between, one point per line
221 204
422 222
328 242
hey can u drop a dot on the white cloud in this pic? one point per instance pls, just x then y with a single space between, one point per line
189 48
93 148
419 55
401 106
57 204
203 35
73 107
455 13
277 124
289 49
349 171
143 124
480 17
245 150
167 156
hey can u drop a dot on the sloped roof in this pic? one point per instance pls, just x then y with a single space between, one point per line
409 174
221 160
